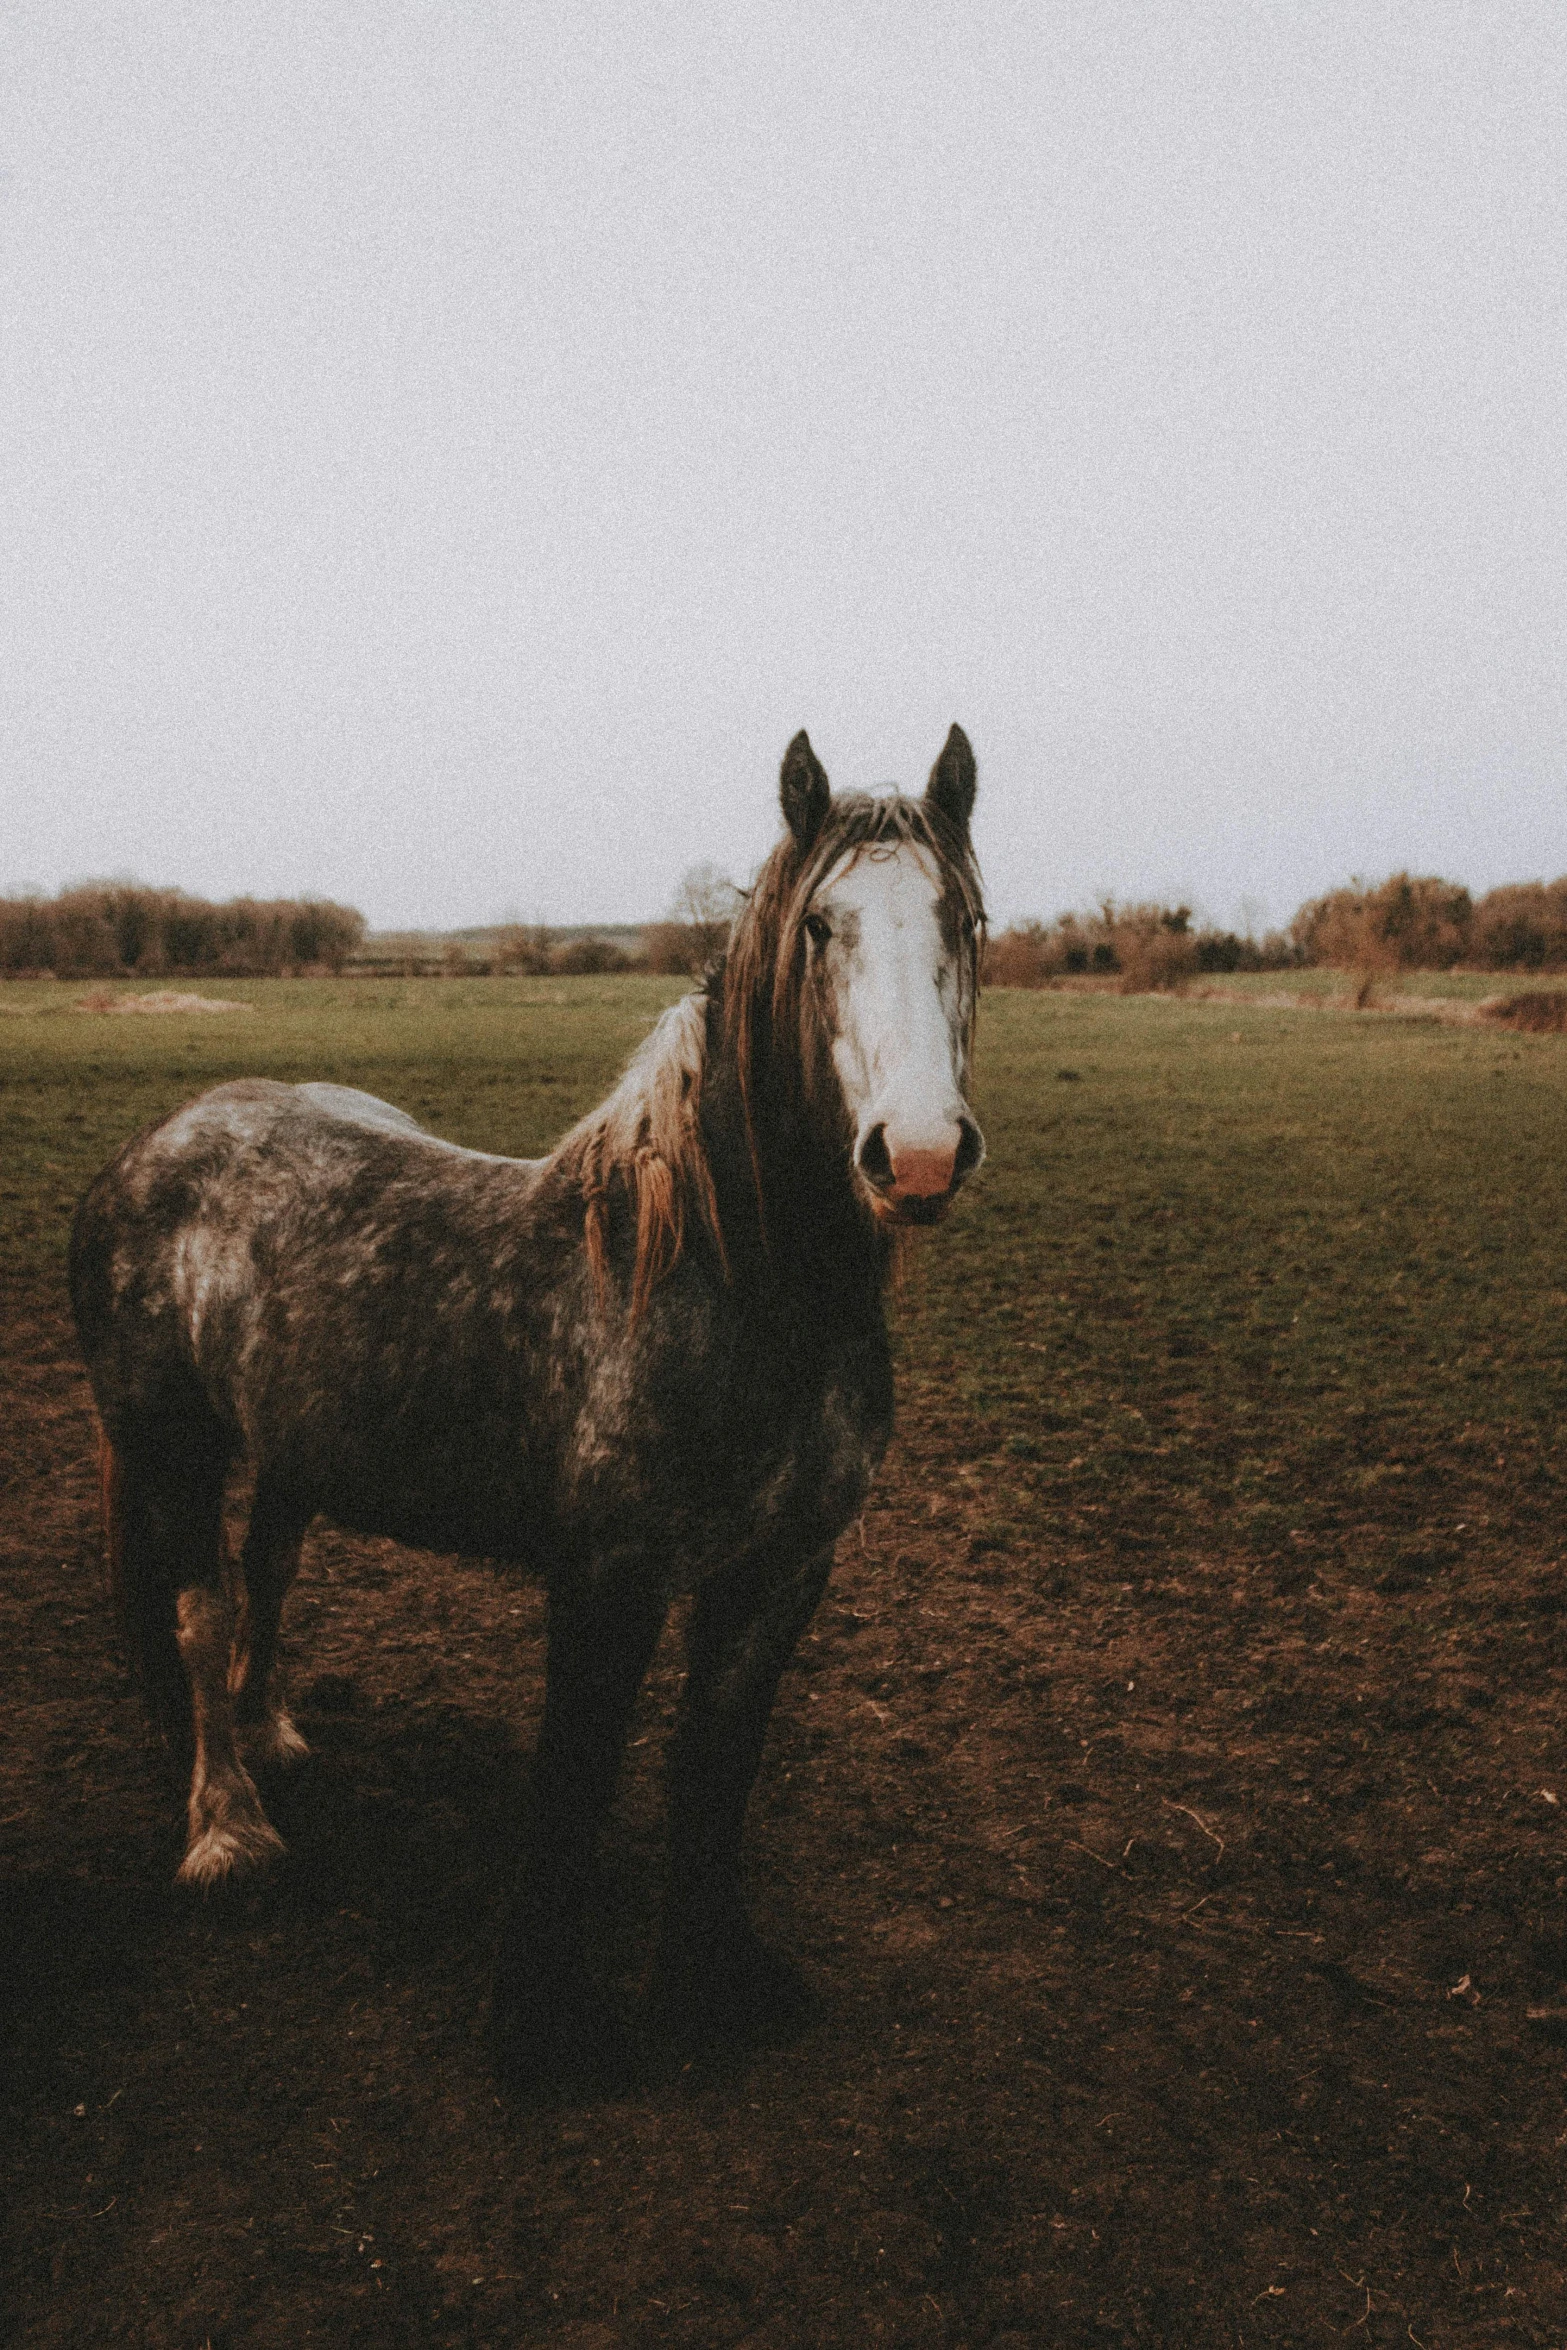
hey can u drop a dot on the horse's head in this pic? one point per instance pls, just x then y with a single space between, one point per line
878 911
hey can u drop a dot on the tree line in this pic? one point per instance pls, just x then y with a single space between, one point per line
1407 923
115 930
112 930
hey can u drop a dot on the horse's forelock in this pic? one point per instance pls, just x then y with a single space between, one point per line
854 822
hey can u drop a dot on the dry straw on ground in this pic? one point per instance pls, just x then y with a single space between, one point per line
162 999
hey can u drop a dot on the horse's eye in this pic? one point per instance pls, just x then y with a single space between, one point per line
817 930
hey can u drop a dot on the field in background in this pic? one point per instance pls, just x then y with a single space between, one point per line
1163 1803
501 1064
1310 1252
1298 1214
1321 985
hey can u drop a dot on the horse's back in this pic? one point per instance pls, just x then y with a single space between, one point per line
287 1127
255 1146
142 1205
367 1109
220 1161
266 1204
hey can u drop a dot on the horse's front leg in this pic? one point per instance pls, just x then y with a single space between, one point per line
714 1973
603 1628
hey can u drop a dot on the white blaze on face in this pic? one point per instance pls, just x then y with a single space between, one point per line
899 990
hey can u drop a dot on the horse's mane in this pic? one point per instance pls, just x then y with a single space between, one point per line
648 1133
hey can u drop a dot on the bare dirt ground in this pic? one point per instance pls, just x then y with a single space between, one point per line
1188 1930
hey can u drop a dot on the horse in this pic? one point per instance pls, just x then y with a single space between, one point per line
653 1364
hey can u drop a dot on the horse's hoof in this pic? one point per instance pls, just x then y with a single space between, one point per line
228 1848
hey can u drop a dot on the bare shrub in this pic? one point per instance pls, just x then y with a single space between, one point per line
1522 927
1145 947
29 940
1155 951
668 949
523 948
589 958
698 924
1027 955
1158 964
1541 1011
1407 923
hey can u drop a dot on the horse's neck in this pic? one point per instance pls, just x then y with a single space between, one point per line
807 1234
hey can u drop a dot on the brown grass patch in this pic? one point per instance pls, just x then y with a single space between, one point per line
1541 1010
162 999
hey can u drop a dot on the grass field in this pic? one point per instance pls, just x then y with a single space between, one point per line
1324 985
1167 1802
504 1064
1261 1272
1249 1270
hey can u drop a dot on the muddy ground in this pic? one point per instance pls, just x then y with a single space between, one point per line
1188 1929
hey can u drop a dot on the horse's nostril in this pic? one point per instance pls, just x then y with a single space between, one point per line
971 1149
874 1160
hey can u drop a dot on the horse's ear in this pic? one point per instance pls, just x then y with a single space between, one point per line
953 781
804 791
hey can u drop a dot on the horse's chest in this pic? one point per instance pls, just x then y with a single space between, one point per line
799 1450
817 1477
769 1453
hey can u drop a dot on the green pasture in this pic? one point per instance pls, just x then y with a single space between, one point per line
1322 985
1286 1283
502 1064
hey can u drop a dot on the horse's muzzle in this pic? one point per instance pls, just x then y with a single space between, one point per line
914 1180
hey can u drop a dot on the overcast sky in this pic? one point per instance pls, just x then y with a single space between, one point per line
448 450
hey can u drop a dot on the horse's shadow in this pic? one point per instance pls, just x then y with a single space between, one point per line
77 1957
404 1826
407 1817
401 1834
